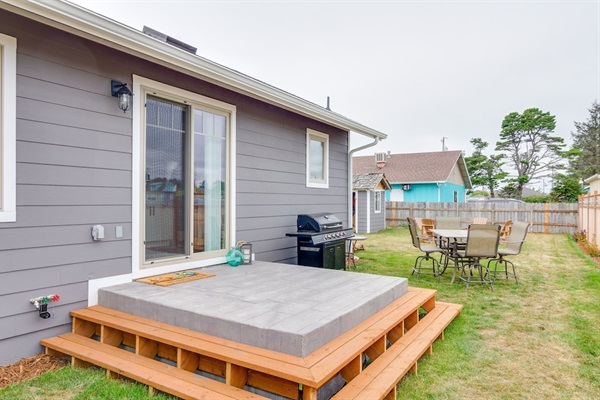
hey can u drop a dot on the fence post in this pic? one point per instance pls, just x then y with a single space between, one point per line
596 217
546 218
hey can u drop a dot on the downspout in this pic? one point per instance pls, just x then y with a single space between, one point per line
350 153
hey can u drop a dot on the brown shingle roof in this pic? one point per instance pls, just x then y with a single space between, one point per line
414 167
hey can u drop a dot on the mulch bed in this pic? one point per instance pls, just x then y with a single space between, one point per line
29 368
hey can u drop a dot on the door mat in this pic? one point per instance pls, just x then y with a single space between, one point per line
174 278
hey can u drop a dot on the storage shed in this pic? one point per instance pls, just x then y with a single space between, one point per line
369 205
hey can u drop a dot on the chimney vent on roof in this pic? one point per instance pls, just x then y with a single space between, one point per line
380 159
168 39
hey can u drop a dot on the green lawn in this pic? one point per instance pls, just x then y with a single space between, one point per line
536 340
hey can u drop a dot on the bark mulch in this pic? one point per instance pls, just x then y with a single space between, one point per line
29 368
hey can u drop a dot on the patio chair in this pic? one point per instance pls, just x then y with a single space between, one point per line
426 248
482 242
427 225
505 232
447 223
512 248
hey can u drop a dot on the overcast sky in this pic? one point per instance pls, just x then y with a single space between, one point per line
417 71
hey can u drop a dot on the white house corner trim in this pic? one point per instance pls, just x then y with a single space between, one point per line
8 127
368 207
94 285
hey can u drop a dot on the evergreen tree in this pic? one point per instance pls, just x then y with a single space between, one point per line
566 189
485 171
526 141
586 144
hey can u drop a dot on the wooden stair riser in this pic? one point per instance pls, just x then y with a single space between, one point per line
241 364
153 373
379 379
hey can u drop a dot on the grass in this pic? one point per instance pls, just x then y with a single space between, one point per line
536 340
77 384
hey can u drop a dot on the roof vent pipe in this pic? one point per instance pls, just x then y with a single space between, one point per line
328 103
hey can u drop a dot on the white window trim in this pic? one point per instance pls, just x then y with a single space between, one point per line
8 128
142 85
317 183
377 206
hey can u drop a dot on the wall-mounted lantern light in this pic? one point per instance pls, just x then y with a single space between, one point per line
120 90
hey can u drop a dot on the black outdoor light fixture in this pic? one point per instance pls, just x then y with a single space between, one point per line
120 90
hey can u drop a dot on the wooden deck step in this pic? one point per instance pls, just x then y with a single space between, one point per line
278 373
379 379
155 374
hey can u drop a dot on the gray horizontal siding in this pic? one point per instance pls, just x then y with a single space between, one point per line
39 195
20 324
74 160
44 257
27 345
69 293
28 152
73 170
35 216
46 236
32 174
29 131
362 212
271 185
55 277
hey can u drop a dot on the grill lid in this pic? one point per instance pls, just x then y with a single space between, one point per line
320 222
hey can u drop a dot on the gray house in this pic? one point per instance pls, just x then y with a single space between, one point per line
202 157
368 200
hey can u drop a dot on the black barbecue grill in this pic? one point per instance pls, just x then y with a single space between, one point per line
321 240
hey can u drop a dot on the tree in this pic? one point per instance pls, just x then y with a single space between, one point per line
566 189
485 171
586 143
526 141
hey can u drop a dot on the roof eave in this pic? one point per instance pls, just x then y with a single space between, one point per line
464 171
592 178
82 22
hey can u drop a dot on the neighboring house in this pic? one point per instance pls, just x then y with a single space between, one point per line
368 200
440 176
206 156
530 192
593 183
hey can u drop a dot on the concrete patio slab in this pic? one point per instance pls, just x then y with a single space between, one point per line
287 308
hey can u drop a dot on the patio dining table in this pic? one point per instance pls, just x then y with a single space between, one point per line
448 238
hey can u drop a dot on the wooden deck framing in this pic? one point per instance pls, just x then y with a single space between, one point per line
392 341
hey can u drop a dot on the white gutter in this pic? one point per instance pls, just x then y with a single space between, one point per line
85 23
350 153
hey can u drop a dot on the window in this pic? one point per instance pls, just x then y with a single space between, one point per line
377 201
185 159
317 159
8 127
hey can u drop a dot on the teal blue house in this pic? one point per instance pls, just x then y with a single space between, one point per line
419 177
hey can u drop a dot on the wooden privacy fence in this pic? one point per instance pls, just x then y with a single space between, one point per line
543 217
589 221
